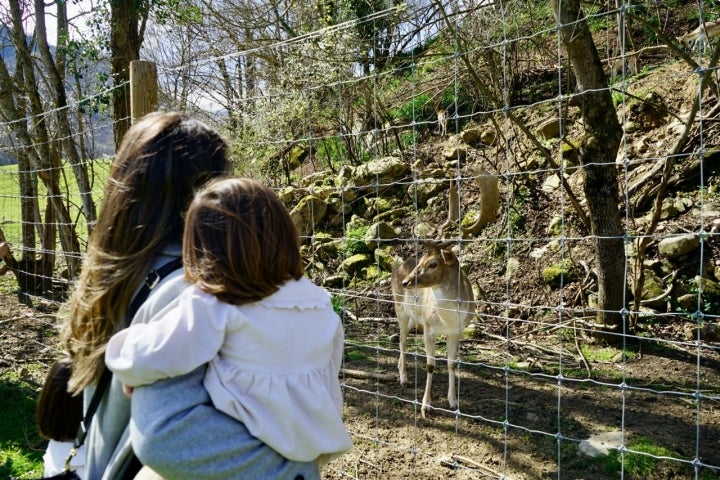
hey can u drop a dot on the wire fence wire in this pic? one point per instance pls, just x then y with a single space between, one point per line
539 396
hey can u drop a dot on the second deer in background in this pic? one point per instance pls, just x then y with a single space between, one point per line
442 118
699 39
433 295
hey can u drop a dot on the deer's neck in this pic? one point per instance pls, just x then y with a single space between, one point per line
445 295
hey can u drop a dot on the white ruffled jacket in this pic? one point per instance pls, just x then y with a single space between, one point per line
273 364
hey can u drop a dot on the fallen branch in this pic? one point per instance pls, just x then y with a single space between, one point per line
455 459
381 377
588 368
386 321
664 294
529 345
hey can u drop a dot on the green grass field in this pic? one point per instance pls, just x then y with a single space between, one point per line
10 202
21 448
10 212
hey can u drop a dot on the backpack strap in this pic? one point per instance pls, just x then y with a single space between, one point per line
151 281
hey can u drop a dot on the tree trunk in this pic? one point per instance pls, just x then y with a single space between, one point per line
43 161
27 177
56 80
125 41
598 151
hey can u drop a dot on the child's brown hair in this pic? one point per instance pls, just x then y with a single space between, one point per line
240 243
58 412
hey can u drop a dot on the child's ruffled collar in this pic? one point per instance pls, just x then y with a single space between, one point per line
302 294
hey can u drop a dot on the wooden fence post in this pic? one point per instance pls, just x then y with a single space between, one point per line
143 89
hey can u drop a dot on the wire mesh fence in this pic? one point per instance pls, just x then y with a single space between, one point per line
349 135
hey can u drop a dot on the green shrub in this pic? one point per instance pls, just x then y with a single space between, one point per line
355 240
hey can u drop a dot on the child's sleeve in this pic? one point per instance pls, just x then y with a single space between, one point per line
187 337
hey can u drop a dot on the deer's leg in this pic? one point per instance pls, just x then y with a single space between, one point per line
430 352
452 355
403 321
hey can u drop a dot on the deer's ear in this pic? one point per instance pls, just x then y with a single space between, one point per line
447 257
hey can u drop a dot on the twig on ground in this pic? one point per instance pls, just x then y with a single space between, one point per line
382 377
455 459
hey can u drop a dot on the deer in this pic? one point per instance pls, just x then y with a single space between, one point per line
28 272
629 61
434 295
442 118
699 38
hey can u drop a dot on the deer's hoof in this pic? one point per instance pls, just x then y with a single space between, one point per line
425 411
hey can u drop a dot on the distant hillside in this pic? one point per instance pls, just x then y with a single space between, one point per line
6 47
102 143
6 159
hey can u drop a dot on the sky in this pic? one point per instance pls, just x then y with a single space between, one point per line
75 8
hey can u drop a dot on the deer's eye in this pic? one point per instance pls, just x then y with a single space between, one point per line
432 264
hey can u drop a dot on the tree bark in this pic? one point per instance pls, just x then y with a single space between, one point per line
44 161
125 41
27 178
598 152
56 79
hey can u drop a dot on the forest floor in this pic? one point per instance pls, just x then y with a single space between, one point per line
521 422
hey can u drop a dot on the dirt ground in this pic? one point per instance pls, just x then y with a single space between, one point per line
521 422
527 424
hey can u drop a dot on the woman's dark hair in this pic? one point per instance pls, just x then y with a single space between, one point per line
162 160
58 412
240 243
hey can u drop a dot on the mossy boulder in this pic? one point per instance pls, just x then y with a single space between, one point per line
354 264
379 233
559 274
308 214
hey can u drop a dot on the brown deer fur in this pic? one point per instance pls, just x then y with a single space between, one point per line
433 295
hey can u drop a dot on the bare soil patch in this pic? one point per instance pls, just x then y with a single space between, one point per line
527 423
